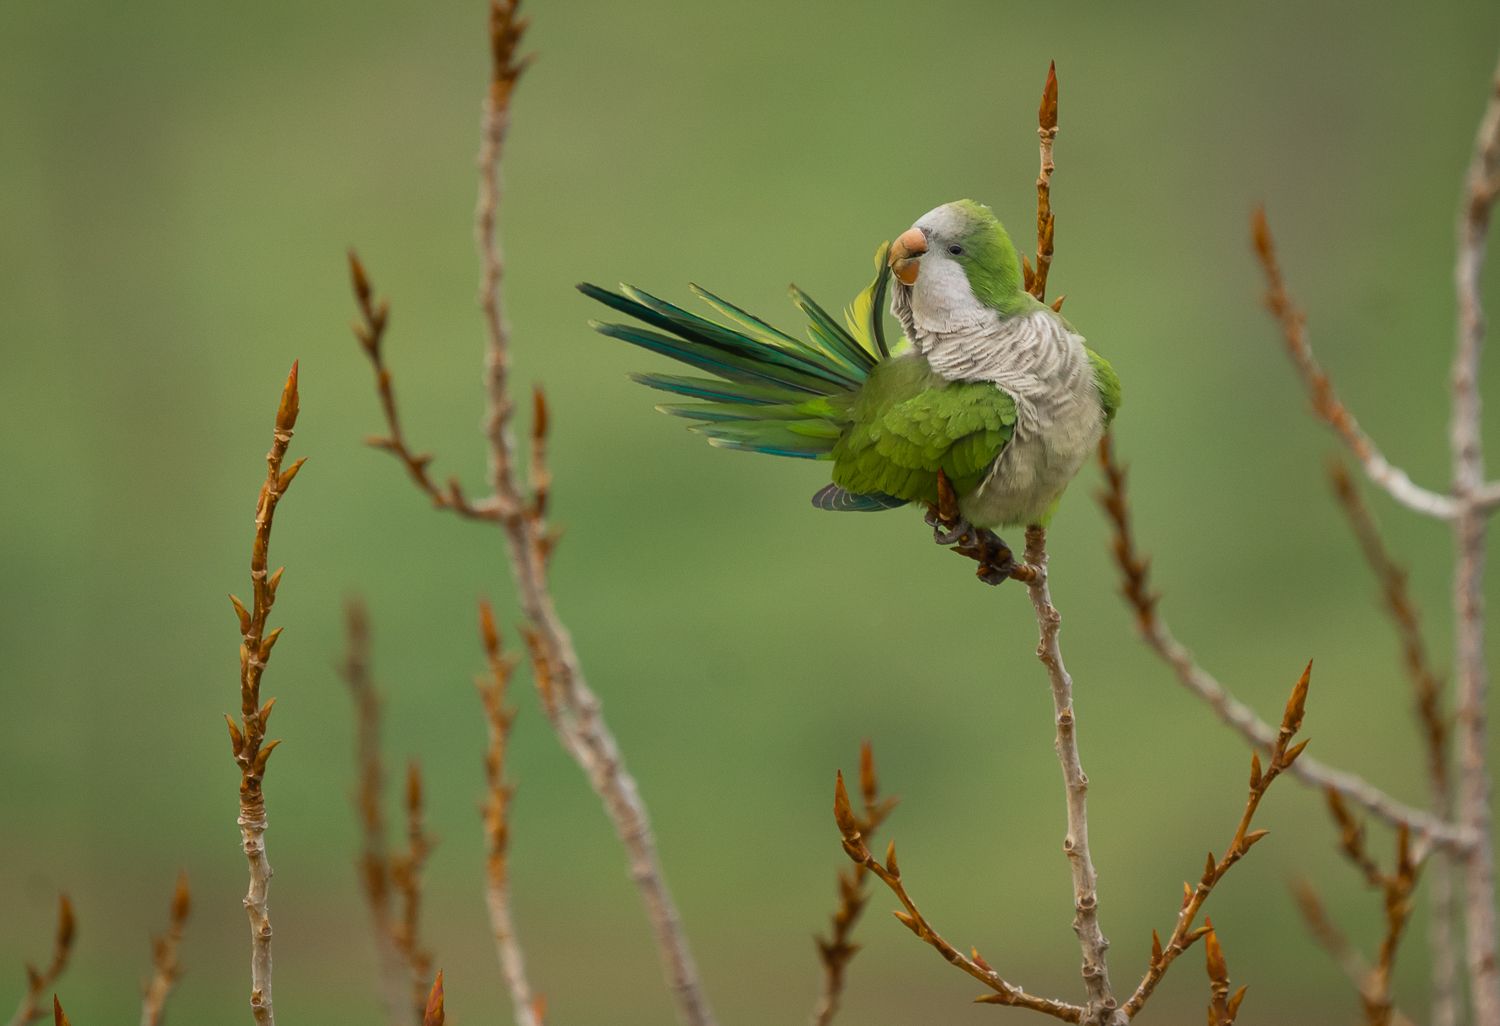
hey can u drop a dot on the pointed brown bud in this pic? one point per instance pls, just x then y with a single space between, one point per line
891 865
1046 114
414 787
242 613
1260 235
843 814
288 474
488 633
1293 752
1213 955
433 1014
274 581
1210 867
359 279
182 899
264 713
1251 838
539 419
1255 771
1058 302
67 924
1296 705
269 643
286 412
978 959
236 739
59 1017
908 920
868 786
1155 947
1234 1002
264 756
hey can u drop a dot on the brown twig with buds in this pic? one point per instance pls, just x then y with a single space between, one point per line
369 800
573 708
527 1005
1283 756
248 738
1134 569
39 981
838 949
1035 279
1396 888
406 877
889 873
165 969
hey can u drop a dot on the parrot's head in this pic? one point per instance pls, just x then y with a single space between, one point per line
955 265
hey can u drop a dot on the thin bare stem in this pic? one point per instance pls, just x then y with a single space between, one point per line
1134 572
369 799
1101 1004
248 738
838 949
406 879
1325 401
1481 187
889 873
1046 120
1283 756
165 969
40 981
492 686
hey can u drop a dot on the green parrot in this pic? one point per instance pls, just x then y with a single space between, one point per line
989 387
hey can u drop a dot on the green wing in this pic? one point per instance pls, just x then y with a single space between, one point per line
1108 383
907 423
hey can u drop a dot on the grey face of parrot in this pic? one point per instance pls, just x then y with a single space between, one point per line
928 264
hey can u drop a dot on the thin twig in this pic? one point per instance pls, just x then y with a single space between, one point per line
889 873
39 981
1283 756
1481 187
1101 1003
248 738
165 969
406 878
1325 401
492 686
1135 586
838 949
369 799
1035 281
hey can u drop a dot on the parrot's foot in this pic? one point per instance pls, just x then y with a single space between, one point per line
951 529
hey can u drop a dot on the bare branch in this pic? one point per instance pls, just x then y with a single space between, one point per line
1134 568
889 873
498 792
1283 756
1046 121
40 981
1325 400
1482 184
1091 940
164 967
247 739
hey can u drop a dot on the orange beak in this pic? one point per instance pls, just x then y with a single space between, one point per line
905 251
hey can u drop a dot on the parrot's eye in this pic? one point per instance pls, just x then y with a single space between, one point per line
956 249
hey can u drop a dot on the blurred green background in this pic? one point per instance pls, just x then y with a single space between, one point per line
178 184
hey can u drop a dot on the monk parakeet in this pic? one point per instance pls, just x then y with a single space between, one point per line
989 386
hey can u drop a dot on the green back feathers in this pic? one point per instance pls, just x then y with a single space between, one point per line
908 423
1108 383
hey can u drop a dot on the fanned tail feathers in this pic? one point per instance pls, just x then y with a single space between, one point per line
769 392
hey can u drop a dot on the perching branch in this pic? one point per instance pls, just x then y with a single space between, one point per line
1101 1003
1325 401
837 950
1283 755
247 739
889 873
1134 570
39 981
527 1005
164 967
